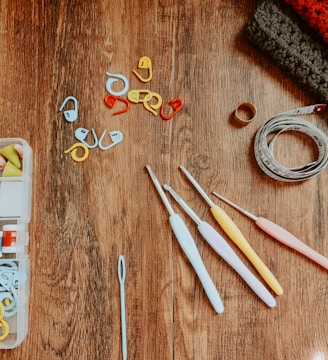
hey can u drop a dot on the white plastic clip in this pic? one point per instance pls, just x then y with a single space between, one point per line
82 133
115 136
115 78
70 115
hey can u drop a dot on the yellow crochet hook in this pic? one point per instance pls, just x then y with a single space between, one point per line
232 230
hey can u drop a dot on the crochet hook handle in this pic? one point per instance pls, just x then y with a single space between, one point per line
290 240
232 230
188 245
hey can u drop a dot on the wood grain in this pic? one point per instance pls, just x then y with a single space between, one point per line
86 214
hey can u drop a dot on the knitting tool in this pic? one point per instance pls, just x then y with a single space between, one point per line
4 326
113 79
70 115
217 242
73 150
115 136
135 96
144 63
176 104
82 133
280 234
110 101
189 247
121 277
264 151
245 113
153 107
232 230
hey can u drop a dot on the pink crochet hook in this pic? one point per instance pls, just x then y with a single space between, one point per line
281 235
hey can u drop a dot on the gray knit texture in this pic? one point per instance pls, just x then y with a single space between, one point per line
279 32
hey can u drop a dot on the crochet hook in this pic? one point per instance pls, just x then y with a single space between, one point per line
189 247
217 242
280 234
232 230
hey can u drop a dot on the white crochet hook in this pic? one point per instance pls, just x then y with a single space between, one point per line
217 242
280 234
189 247
121 277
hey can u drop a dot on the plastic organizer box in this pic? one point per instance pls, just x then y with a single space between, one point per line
15 213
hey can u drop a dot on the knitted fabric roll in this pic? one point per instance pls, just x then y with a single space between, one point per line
279 32
314 12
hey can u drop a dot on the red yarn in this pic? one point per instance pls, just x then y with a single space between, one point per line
314 12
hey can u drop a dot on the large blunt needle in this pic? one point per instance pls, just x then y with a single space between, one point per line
232 230
280 234
217 242
189 247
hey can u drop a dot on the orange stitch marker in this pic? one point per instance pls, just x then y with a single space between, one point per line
176 104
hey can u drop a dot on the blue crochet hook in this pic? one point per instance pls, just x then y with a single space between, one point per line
189 247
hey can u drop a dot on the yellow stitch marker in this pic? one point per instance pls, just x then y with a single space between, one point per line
232 230
153 107
73 151
3 323
134 96
144 63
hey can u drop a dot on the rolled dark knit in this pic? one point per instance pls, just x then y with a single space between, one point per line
279 32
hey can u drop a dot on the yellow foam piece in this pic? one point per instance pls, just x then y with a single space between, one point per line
11 170
10 153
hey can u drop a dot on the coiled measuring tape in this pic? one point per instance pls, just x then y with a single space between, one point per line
287 121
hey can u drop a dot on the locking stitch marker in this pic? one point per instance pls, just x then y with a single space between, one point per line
176 104
73 150
110 101
144 63
115 136
114 78
70 115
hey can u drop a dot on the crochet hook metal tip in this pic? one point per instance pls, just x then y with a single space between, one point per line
160 190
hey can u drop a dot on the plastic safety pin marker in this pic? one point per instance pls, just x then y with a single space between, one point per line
217 242
153 107
73 152
70 115
82 133
121 277
189 247
110 101
114 78
280 234
135 96
115 136
144 63
176 104
4 326
232 230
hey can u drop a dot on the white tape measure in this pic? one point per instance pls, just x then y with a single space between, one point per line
287 121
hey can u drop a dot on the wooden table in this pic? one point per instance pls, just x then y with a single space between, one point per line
86 214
